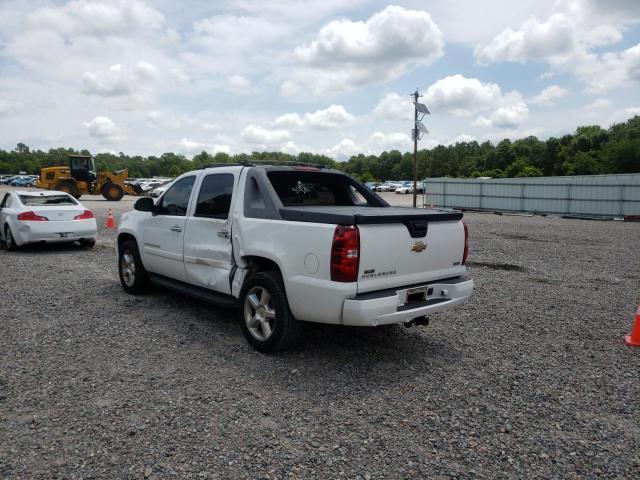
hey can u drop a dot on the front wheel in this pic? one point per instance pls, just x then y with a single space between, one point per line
133 276
112 192
265 318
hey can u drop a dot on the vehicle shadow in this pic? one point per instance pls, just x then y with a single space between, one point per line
325 354
48 248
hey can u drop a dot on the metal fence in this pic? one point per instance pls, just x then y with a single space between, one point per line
589 195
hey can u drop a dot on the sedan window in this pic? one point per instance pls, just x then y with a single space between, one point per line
40 200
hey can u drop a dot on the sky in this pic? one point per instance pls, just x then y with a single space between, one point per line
145 77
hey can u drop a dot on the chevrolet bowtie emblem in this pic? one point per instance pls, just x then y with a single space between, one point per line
418 247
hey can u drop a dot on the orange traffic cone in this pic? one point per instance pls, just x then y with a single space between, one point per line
110 221
633 340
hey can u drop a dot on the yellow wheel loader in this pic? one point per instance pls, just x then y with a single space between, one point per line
79 178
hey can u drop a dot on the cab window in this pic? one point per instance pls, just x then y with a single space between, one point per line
214 199
176 200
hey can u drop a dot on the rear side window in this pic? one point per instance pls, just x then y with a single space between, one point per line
176 200
38 200
214 199
296 188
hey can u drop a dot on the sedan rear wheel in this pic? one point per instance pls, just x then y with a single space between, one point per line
8 239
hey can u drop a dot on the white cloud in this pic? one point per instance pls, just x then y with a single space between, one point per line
567 41
348 53
512 112
611 70
379 141
241 85
597 106
394 106
332 117
547 96
98 18
510 116
345 149
118 81
169 121
188 146
290 121
533 41
256 135
632 111
105 130
463 138
462 96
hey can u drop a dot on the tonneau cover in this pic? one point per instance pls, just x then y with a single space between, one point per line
352 215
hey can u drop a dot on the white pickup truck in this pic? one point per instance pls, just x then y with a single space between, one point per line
293 244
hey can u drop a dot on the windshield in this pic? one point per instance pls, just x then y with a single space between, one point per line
299 188
34 201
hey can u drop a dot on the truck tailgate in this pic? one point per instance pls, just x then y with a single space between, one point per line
391 257
392 241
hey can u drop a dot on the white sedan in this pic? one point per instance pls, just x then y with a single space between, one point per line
44 217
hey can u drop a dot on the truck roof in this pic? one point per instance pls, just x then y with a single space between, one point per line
305 167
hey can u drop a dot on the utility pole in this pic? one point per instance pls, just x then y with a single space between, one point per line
416 95
420 109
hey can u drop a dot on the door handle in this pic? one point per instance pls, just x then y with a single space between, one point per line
223 234
176 228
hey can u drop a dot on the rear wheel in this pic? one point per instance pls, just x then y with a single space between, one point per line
112 192
9 240
87 242
68 186
133 276
265 318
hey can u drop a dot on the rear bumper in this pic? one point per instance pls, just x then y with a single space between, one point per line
391 306
61 231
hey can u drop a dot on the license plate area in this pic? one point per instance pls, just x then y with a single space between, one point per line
63 234
419 294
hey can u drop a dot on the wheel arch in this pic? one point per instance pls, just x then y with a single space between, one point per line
125 236
257 263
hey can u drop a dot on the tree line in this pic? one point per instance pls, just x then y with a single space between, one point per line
589 150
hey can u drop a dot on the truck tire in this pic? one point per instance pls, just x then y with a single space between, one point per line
112 192
265 318
133 276
68 186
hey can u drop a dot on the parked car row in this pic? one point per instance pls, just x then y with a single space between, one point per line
402 187
148 184
19 180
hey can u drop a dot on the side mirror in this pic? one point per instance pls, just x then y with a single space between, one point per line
144 204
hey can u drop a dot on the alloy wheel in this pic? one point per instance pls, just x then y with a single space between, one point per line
128 268
259 313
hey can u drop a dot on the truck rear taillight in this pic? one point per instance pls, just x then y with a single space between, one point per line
465 253
31 217
86 215
345 254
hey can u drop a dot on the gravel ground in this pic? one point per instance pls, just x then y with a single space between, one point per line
529 379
